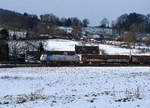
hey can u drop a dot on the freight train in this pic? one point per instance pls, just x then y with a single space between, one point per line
95 59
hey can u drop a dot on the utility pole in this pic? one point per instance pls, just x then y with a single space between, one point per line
130 52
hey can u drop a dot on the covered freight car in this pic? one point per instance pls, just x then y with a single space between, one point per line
105 59
117 59
90 58
87 49
140 59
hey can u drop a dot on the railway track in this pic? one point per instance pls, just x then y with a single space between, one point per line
71 65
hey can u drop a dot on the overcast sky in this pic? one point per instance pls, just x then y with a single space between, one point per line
94 10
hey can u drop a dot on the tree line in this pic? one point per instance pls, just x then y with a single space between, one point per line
48 22
134 22
11 19
68 22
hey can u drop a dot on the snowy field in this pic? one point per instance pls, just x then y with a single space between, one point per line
61 45
75 87
114 50
68 45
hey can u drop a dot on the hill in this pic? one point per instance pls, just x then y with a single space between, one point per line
14 20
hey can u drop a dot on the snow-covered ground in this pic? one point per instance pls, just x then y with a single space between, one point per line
61 45
75 87
115 50
68 45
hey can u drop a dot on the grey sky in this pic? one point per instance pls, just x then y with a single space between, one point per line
94 10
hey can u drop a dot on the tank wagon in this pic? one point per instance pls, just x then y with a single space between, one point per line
59 58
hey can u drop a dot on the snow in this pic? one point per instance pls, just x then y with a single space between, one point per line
114 50
66 29
22 46
96 36
75 87
61 45
19 34
95 30
69 45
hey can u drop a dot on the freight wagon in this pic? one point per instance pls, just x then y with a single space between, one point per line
93 58
105 59
140 59
87 49
117 59
59 58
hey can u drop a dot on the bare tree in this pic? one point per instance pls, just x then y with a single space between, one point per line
113 27
121 22
104 23
85 22
137 27
130 38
